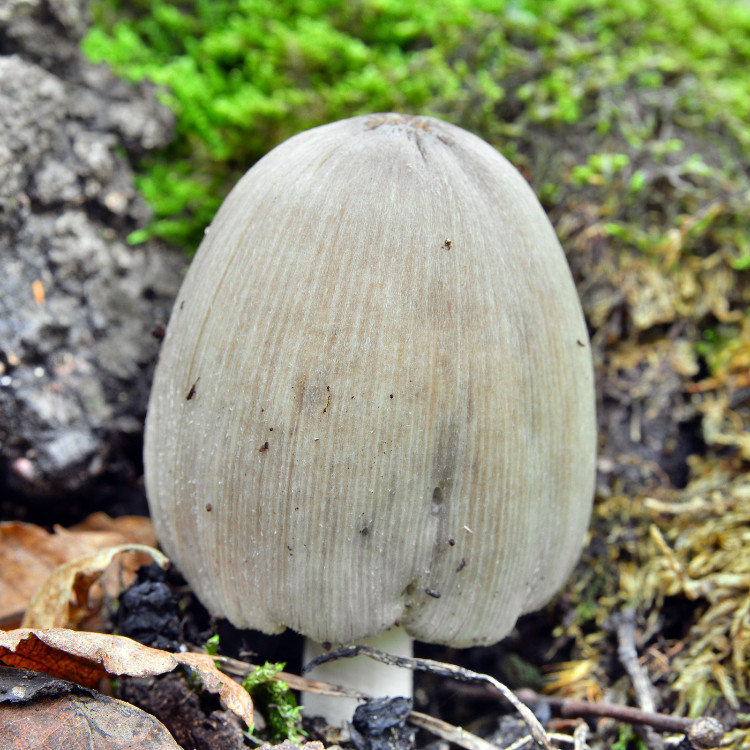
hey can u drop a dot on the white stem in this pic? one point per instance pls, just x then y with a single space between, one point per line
359 673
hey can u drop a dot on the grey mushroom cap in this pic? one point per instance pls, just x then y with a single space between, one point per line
375 401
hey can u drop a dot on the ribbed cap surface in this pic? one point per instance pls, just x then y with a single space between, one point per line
375 398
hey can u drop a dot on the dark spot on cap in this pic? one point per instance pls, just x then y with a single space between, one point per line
191 392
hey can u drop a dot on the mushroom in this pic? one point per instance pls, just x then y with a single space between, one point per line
374 405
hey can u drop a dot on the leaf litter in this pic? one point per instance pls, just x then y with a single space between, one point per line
87 658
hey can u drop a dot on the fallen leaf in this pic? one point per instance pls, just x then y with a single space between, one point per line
40 712
29 554
63 599
136 529
86 658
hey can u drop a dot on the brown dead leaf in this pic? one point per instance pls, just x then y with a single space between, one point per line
63 599
29 554
86 658
136 529
81 722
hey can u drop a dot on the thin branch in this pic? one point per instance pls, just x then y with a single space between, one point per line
579 736
241 669
561 739
571 708
627 652
448 732
702 732
442 670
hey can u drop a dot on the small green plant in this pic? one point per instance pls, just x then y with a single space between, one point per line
276 701
211 646
599 168
718 345
627 739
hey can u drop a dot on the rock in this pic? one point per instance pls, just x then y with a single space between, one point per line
46 30
77 304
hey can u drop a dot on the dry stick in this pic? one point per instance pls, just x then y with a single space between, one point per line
571 708
561 739
579 736
450 733
294 681
442 670
702 732
627 652
628 655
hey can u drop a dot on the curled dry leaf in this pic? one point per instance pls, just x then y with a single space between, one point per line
69 721
42 712
63 599
29 554
137 529
86 658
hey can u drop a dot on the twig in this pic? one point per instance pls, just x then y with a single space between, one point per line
561 739
446 731
628 655
242 669
702 732
627 652
571 708
579 736
520 742
442 670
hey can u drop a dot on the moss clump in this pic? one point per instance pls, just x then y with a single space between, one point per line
276 701
242 75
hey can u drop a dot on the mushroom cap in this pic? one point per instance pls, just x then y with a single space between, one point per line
374 402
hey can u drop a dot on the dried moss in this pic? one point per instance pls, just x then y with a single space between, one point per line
690 546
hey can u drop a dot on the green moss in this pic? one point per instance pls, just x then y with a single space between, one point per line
242 75
277 702
627 739
718 345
